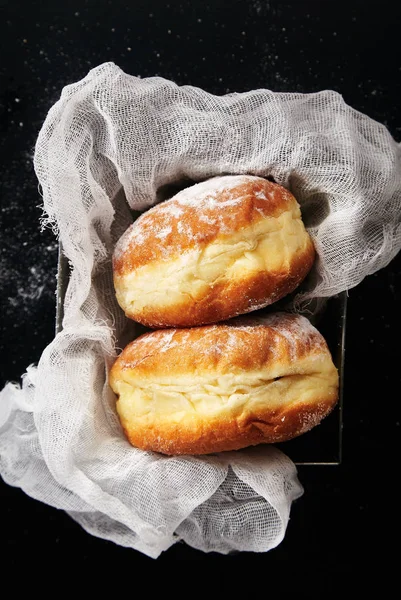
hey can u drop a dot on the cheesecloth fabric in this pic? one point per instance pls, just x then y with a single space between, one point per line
114 144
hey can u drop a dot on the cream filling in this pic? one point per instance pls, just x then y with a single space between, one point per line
269 245
176 397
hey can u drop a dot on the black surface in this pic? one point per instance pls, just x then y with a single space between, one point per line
293 46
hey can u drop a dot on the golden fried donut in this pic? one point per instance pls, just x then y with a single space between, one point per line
218 249
225 386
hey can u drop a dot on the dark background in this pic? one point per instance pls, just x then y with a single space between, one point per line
220 46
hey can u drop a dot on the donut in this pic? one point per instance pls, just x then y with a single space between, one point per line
218 249
225 386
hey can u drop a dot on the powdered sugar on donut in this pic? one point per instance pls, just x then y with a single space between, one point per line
163 233
292 326
199 214
281 336
146 345
297 330
128 237
207 192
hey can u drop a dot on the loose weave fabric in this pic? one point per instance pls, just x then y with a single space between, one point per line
114 144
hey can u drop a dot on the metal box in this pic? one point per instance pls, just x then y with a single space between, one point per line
323 444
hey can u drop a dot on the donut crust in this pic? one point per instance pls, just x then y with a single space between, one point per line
224 387
216 250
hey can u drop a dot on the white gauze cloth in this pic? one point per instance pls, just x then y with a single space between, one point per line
110 144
